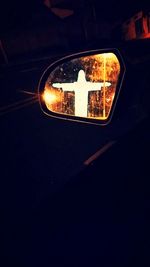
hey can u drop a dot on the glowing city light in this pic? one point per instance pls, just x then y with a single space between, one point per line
81 88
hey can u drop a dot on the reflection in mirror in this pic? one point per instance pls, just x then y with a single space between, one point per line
83 87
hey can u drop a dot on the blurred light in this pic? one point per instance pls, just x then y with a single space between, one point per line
49 97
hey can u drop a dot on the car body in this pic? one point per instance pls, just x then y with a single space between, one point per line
100 216
97 214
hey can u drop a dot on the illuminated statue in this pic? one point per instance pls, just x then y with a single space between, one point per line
81 88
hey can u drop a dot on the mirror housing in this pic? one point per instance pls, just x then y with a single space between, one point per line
83 86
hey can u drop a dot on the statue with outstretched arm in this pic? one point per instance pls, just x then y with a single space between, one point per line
81 88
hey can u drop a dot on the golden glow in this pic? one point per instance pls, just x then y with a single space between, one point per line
53 99
84 87
49 97
97 70
106 67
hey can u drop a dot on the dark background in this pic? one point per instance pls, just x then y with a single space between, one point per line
30 28
39 154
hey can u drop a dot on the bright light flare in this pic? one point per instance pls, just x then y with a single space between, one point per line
49 97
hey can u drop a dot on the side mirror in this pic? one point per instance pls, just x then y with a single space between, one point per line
83 86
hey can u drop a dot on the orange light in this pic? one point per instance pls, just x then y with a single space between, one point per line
97 70
49 97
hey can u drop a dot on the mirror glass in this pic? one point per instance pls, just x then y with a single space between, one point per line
83 87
